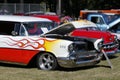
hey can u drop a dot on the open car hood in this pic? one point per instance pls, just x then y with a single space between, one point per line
61 30
70 26
114 23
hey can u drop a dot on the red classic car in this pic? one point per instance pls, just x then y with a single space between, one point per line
110 40
49 15
84 28
40 14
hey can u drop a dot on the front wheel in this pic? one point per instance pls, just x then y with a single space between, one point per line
46 61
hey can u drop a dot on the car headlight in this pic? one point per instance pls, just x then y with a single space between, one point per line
100 46
115 37
71 48
77 46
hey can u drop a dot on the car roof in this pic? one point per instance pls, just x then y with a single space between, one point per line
14 18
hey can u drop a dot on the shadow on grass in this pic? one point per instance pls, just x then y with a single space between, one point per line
12 65
89 67
82 68
59 69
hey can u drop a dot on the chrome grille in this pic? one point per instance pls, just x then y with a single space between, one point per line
110 45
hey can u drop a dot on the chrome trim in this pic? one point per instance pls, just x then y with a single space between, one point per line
78 60
112 52
111 45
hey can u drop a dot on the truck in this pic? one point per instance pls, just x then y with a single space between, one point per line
102 18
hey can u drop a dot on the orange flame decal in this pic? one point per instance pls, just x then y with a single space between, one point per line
24 43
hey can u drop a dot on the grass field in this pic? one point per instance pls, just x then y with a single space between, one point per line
100 71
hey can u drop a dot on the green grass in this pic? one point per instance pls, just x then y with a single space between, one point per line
100 71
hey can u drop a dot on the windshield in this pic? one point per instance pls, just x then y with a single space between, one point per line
111 18
37 28
90 28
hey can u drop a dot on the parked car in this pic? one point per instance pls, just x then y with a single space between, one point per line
102 18
34 13
84 28
21 42
40 14
54 18
49 15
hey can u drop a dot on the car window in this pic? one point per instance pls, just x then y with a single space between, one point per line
89 28
97 20
93 28
37 28
7 27
110 18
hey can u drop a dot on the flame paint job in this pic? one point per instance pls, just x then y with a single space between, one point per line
22 50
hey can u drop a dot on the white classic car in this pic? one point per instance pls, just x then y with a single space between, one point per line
22 41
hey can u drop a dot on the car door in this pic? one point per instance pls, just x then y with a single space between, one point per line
10 44
99 21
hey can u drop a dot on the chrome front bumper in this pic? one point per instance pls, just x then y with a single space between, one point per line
111 48
112 52
80 59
